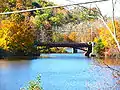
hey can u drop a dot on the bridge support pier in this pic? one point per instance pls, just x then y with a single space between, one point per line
89 50
74 50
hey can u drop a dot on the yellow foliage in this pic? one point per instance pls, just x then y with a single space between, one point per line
72 36
16 36
105 35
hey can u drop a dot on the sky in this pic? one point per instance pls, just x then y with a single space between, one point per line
105 7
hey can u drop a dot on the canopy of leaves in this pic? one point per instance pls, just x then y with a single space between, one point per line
17 36
106 36
18 31
82 13
53 16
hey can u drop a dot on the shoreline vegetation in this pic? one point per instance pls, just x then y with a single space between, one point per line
20 55
20 32
34 84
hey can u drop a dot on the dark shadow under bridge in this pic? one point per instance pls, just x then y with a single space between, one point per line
73 45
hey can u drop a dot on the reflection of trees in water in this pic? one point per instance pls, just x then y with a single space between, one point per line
108 72
3 64
23 62
112 62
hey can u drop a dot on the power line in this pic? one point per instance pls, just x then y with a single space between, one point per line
52 7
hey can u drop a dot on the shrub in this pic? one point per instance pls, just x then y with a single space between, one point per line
34 85
99 47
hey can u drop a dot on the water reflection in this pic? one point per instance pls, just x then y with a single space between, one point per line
5 63
112 62
107 70
59 72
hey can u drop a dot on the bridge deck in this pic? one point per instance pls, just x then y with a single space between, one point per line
73 45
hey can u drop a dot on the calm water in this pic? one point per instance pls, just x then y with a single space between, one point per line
58 72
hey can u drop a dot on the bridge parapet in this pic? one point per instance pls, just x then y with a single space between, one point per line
75 46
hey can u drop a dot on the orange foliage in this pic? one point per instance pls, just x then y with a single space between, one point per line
106 37
19 4
72 36
60 11
65 37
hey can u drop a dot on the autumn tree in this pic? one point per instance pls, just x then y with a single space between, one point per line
107 39
47 20
17 35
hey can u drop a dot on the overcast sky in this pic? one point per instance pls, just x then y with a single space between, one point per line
105 7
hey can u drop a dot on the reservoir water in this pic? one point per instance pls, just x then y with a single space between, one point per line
58 72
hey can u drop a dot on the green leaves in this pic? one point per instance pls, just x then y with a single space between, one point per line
12 1
34 84
85 14
55 20
99 47
17 17
57 37
43 16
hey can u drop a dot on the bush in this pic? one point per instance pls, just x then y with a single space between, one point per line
99 47
34 85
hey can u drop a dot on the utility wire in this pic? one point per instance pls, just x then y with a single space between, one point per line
52 7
